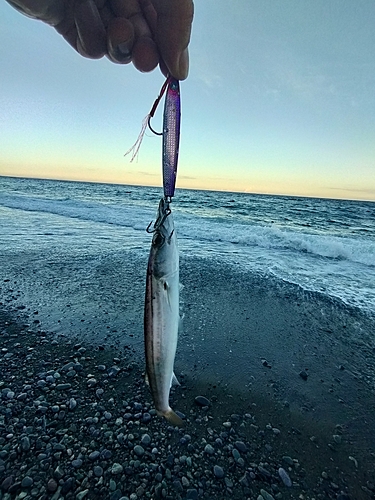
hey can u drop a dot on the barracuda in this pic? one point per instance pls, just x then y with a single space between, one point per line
161 318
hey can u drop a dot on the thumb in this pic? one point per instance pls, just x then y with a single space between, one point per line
174 20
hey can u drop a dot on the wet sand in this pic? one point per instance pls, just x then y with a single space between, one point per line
289 373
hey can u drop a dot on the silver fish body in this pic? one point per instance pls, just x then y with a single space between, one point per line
161 315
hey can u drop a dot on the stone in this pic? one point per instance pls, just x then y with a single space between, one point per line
63 387
25 443
68 485
94 455
218 472
139 450
27 481
117 494
266 495
178 486
51 486
98 471
285 477
288 460
113 371
202 401
146 440
58 473
116 468
209 449
146 418
191 494
72 404
241 447
82 494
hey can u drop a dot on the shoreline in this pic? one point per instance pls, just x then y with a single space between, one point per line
75 442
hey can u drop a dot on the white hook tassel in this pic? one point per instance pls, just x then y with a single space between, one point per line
136 146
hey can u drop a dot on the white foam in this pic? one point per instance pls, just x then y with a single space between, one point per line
341 266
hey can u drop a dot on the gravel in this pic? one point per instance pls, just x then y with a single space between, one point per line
89 432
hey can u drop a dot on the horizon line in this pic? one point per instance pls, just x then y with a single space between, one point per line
194 189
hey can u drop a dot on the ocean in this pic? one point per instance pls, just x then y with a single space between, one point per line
277 330
320 245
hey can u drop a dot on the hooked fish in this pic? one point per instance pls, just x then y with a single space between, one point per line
171 135
161 315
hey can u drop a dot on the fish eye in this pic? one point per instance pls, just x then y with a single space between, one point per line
157 240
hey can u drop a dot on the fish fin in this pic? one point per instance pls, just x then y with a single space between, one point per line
167 290
172 417
180 324
181 286
146 379
174 380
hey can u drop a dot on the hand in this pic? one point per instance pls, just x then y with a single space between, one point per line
146 32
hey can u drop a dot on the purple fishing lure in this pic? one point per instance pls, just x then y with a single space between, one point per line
171 136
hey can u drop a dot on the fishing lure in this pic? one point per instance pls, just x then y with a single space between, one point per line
170 133
171 136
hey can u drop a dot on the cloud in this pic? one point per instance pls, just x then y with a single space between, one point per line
205 71
355 190
303 80
142 172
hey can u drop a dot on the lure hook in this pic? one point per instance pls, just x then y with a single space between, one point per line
155 105
159 222
150 231
149 126
146 122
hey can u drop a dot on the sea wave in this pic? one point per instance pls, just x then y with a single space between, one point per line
332 247
88 211
195 227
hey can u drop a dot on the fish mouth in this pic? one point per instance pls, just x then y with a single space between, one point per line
163 209
163 212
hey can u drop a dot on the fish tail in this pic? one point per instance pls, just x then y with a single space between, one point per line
172 417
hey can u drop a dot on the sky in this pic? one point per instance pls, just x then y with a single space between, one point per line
280 99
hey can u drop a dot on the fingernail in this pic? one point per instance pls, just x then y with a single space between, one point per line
124 48
121 53
183 65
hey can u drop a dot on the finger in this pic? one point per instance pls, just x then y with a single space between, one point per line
100 3
125 8
145 54
71 36
92 39
120 34
173 34
51 12
131 10
67 27
106 15
149 14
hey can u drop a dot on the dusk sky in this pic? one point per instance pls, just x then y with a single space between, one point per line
280 99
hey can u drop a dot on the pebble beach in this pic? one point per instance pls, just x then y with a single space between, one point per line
77 421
